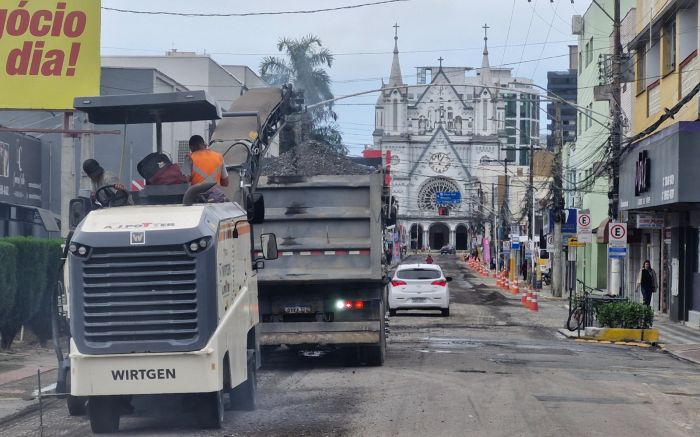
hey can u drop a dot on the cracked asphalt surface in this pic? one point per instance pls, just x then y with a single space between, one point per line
490 369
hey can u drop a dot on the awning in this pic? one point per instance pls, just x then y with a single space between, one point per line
601 231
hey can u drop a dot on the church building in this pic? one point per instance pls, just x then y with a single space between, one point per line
448 137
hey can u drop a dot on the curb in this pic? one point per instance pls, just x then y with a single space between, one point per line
571 335
678 355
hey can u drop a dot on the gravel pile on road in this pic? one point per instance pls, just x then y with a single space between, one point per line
312 159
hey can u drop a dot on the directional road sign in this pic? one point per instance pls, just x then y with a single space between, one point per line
448 197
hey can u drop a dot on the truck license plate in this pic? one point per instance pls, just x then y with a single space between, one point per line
297 309
418 300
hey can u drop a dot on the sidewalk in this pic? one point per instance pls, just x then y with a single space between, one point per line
18 379
679 340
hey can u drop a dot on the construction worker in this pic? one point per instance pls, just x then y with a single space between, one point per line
205 165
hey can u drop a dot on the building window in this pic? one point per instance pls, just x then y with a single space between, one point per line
580 62
589 51
641 68
395 118
486 114
670 46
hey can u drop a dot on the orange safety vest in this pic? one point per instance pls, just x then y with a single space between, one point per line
206 166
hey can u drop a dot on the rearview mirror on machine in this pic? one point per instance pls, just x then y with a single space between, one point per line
268 243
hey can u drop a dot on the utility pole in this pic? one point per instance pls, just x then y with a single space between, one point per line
615 282
532 211
558 210
495 225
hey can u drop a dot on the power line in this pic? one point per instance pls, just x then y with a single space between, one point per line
251 14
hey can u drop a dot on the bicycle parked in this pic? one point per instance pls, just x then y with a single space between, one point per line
582 306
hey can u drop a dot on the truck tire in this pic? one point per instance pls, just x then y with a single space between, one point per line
209 409
244 395
392 312
104 414
445 312
76 405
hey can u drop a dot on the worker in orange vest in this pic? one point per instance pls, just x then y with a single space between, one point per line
205 165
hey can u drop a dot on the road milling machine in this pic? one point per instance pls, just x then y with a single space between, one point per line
161 293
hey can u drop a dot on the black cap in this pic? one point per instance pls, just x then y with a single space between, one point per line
92 168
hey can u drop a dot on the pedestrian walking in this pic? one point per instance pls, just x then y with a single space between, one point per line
429 259
647 282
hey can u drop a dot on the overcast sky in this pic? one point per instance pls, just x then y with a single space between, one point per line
532 42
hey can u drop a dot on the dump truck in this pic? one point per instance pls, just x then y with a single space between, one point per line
328 286
162 292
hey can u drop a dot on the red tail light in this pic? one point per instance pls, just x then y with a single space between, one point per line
397 282
342 304
441 282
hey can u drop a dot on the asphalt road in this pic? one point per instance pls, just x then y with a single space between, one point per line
491 369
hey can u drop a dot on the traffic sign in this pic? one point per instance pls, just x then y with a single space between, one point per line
573 242
584 223
448 197
617 252
617 235
550 243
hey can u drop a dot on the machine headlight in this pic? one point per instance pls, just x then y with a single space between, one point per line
198 245
78 249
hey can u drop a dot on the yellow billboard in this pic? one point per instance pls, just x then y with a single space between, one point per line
49 52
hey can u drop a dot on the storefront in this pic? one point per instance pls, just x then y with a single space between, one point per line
660 200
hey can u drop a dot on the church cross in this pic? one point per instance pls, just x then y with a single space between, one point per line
486 29
396 30
440 59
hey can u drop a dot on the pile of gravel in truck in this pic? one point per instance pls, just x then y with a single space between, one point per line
313 159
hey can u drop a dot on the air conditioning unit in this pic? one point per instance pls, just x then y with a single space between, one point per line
577 25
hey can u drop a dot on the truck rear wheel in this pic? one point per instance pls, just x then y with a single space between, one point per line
209 409
244 395
76 405
104 414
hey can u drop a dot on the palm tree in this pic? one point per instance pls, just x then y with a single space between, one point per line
304 66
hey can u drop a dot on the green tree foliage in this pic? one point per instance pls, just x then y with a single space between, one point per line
31 271
304 66
8 279
40 323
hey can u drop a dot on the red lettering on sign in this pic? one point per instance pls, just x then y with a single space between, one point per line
30 57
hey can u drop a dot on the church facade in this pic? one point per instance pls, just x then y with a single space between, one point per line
451 133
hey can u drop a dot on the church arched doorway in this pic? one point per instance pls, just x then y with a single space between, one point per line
461 238
439 236
416 237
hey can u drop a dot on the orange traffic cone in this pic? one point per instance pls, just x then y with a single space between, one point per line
524 299
533 302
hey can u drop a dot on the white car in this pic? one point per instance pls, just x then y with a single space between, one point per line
419 287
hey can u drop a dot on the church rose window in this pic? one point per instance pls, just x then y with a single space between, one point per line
426 194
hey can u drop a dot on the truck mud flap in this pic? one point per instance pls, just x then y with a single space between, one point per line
367 332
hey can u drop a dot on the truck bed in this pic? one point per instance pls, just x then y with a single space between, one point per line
328 228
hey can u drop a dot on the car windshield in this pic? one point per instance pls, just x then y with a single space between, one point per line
418 274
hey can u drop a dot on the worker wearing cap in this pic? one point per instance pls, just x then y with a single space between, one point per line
99 177
205 165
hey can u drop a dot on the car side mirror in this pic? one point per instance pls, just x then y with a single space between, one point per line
448 279
268 244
